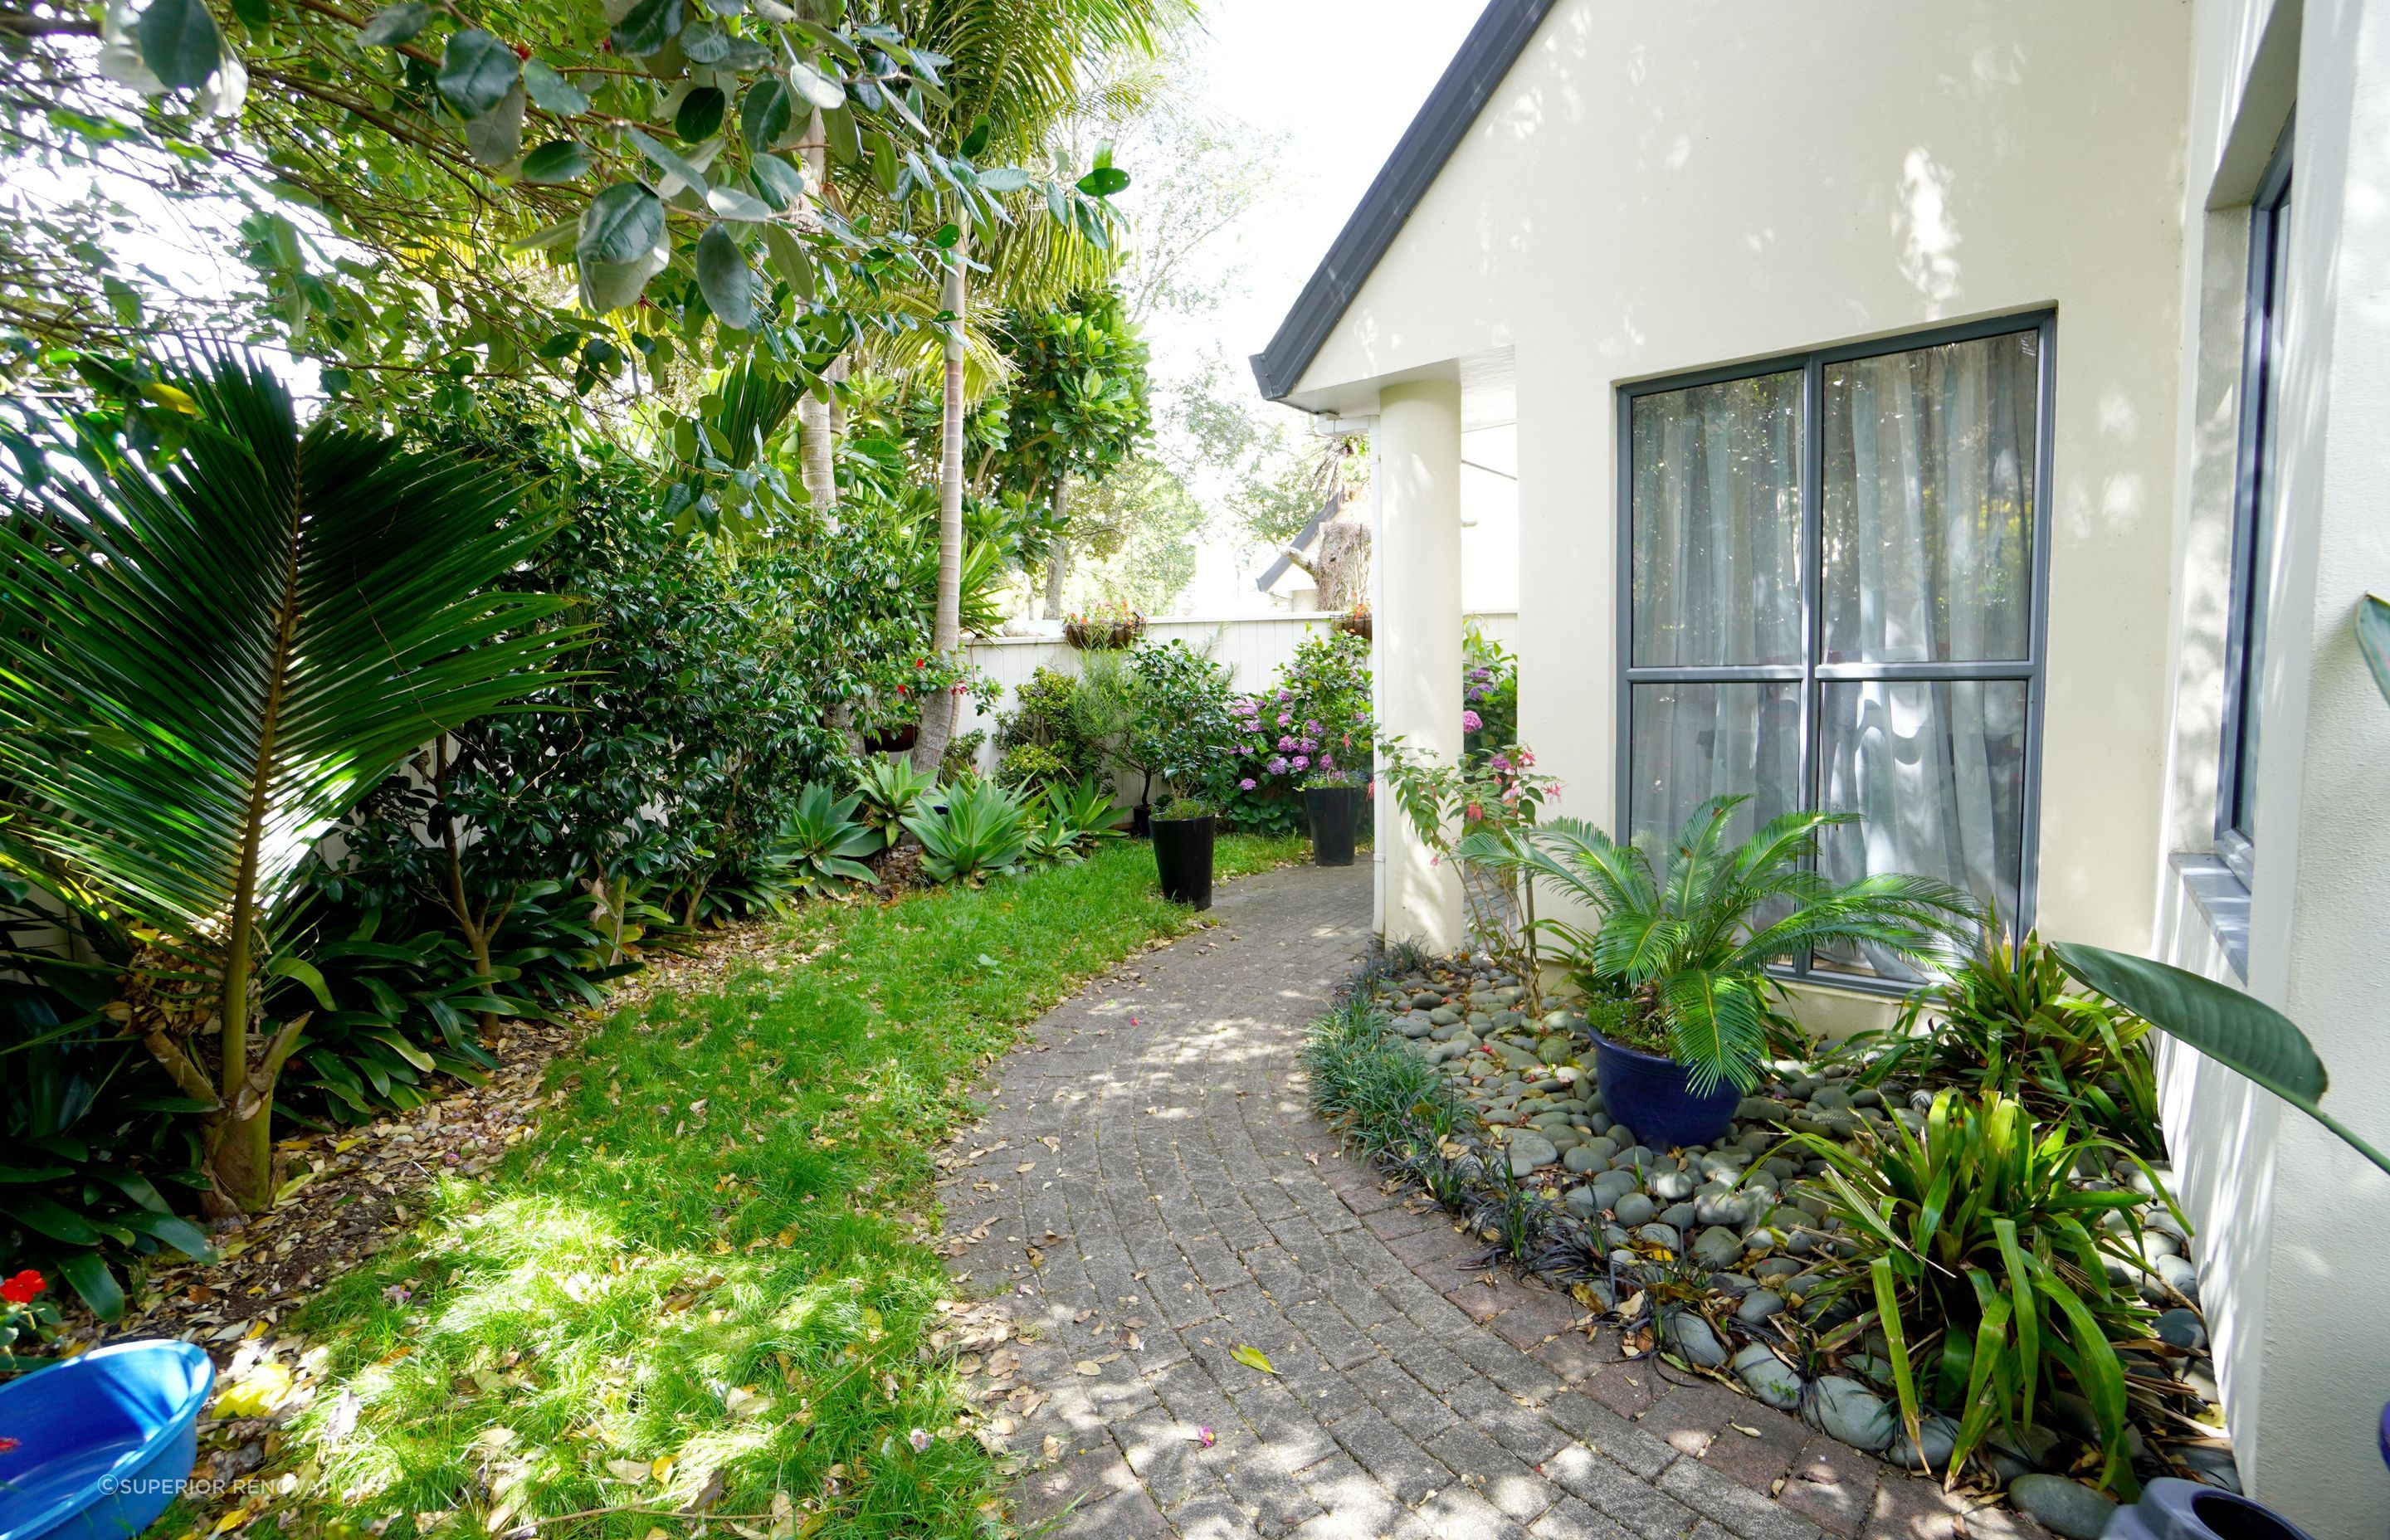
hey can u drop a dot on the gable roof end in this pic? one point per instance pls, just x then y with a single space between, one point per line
1485 56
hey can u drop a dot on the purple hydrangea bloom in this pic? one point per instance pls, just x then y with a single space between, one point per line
1286 743
1301 761
1311 727
1471 721
1277 764
1247 784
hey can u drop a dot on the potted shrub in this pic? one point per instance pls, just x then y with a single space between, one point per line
1674 965
1182 849
1331 799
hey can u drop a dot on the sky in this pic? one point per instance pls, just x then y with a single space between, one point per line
1343 80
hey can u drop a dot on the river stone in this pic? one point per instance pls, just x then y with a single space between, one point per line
1694 1338
1722 1209
1849 1411
1941 1436
2062 1506
1634 1209
1530 1149
1778 1267
1771 1379
1583 1202
1672 1186
2179 1276
1426 1001
1718 1247
1612 1186
1679 1214
2183 1327
1758 1305
1413 1026
1758 1109
1633 1158
1660 1235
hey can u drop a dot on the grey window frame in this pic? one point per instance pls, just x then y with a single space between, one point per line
2252 489
1812 675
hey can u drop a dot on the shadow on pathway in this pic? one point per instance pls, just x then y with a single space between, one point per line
1150 1192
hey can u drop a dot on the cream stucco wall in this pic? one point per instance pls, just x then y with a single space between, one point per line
1660 188
2296 1222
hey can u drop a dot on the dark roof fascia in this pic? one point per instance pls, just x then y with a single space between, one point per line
1494 44
1278 568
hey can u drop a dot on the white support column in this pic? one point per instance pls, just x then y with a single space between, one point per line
1418 628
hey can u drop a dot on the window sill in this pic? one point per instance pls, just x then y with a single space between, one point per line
2223 901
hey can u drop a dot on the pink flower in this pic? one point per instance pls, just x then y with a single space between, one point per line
1277 765
1286 743
1306 745
1471 721
1328 762
1247 784
1301 761
1286 719
1312 728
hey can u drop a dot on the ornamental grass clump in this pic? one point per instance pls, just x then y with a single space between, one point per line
2009 1018
1996 1280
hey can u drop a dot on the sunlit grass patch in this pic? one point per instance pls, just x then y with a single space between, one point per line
699 1277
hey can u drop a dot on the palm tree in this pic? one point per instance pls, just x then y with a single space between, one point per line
210 657
1684 939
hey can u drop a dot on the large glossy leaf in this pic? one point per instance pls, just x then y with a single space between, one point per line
721 276
1103 181
476 72
765 114
495 137
667 160
179 41
556 160
790 259
647 27
814 88
392 25
620 224
700 113
92 1282
2236 1030
2373 639
2233 1028
552 91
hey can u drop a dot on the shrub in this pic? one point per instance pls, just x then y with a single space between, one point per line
1161 713
1315 719
981 831
2008 1020
1489 695
1988 1270
1042 740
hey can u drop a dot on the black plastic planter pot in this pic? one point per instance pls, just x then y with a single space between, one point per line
1650 1095
1182 856
1334 810
2170 1509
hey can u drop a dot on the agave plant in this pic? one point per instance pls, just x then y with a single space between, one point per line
819 842
1685 935
2009 1018
209 658
1075 818
982 833
1988 1269
889 790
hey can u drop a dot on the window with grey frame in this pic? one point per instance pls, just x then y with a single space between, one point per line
2256 492
1833 568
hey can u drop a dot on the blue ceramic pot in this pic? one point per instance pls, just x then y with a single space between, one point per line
1650 1094
2171 1509
103 1442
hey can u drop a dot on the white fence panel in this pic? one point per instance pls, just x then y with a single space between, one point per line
1254 647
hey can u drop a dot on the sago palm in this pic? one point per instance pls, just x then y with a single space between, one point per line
1684 934
210 657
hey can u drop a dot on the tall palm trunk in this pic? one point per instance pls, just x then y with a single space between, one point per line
818 419
946 626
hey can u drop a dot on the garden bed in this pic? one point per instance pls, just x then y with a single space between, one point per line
1731 1261
673 1261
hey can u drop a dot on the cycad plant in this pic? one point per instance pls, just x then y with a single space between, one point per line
1988 1270
209 656
1683 936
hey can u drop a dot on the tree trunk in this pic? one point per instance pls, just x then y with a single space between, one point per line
1058 554
946 628
817 419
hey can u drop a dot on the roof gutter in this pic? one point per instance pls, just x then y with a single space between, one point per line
1494 44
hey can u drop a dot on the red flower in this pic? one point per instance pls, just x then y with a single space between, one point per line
8 1444
522 51
22 1289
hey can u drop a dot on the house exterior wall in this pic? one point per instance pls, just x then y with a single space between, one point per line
2294 1220
1655 190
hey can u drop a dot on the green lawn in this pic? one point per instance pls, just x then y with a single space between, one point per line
700 1261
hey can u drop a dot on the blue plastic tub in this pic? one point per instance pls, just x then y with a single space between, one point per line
104 1442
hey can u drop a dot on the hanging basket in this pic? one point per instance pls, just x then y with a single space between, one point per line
1356 620
1103 633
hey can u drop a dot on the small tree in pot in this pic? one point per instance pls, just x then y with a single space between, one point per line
1674 963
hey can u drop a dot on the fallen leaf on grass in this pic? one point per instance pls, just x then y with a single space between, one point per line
1251 1357
627 1470
743 1402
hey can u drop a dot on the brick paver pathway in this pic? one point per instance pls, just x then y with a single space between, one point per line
1180 1202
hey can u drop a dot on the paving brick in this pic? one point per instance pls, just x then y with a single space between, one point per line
1413 1397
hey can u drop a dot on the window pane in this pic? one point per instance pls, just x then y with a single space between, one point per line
1936 772
1692 742
1928 503
1716 502
2264 490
